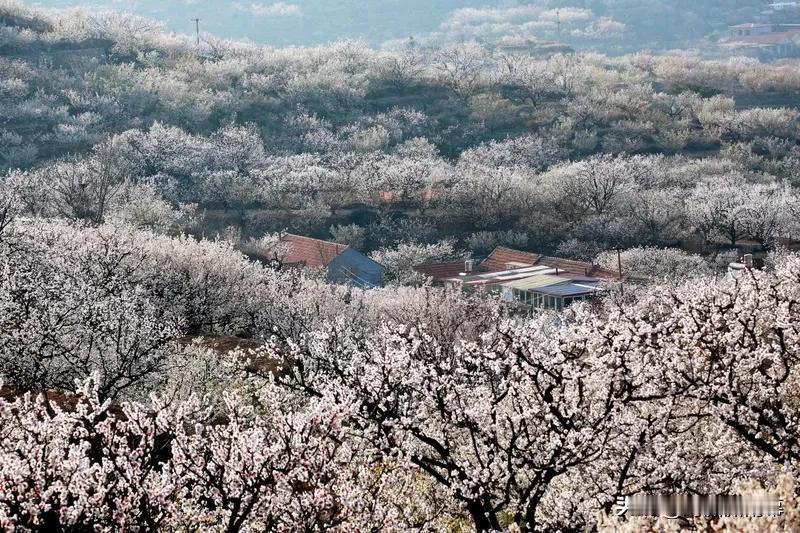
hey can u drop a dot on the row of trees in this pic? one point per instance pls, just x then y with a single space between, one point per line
294 138
164 178
396 409
467 93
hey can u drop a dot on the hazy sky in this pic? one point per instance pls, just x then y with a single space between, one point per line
292 21
611 26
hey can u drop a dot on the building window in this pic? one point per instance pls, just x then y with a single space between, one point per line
523 297
552 302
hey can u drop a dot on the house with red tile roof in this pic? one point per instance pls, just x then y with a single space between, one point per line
525 278
503 258
507 259
341 263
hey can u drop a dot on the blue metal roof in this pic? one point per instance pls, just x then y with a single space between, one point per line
566 289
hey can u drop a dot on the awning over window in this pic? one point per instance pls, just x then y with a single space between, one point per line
534 282
568 289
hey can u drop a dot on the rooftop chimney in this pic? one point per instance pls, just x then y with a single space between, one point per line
469 264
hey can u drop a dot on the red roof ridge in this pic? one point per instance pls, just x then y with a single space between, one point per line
304 237
575 262
502 255
767 38
310 251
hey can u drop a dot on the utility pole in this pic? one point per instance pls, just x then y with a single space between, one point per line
197 30
558 23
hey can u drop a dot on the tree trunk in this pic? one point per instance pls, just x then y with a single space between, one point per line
484 520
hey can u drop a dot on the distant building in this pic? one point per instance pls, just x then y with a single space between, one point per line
524 278
529 47
750 29
763 40
784 6
341 263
